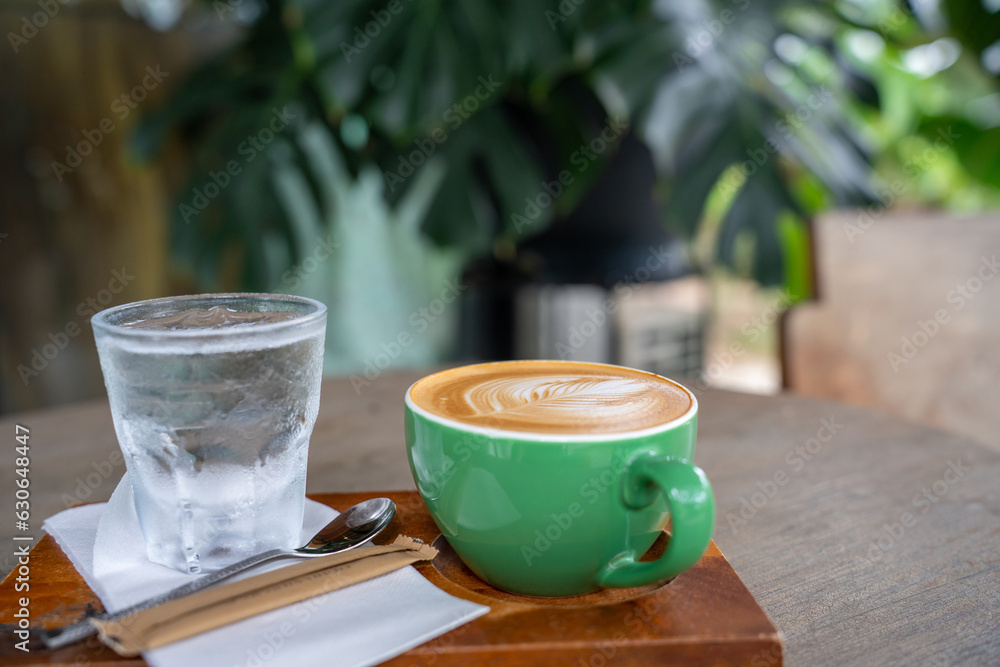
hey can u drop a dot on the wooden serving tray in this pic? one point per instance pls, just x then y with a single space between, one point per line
706 616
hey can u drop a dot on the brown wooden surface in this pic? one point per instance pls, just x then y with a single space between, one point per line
888 282
705 616
816 553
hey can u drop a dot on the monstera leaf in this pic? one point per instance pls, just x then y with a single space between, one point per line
472 109
379 276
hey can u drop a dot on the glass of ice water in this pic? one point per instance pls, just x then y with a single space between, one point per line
214 398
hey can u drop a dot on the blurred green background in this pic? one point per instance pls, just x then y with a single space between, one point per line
395 158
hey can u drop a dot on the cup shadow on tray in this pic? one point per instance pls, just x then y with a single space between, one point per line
450 566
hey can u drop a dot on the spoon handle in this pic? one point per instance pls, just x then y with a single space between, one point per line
74 633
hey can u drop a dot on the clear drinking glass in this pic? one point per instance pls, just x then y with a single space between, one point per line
214 398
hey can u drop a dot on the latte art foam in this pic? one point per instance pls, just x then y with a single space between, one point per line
552 397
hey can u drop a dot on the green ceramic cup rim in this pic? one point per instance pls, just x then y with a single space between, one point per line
508 434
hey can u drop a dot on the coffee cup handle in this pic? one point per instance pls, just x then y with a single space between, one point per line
692 508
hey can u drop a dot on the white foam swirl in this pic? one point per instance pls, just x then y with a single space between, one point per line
609 397
552 397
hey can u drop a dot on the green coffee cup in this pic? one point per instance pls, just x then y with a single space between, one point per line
540 512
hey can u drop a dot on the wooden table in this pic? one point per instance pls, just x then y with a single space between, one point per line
868 540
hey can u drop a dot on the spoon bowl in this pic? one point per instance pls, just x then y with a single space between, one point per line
353 527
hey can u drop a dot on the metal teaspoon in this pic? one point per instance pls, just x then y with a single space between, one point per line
349 529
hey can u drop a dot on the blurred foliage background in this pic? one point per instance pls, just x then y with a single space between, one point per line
470 107
364 152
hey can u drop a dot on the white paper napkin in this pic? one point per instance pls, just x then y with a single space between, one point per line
364 624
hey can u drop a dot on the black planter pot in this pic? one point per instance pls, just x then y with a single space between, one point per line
615 235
